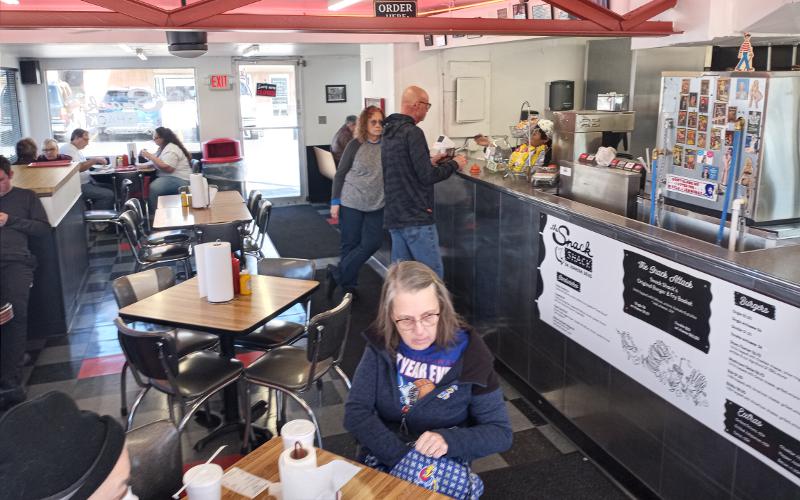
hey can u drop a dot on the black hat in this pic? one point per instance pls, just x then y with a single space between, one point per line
50 448
351 119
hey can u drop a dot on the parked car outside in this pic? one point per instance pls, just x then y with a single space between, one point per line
58 113
127 111
249 112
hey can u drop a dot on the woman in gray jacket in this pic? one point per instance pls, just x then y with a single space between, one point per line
357 201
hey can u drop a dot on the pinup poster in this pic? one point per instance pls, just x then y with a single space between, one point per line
693 100
720 114
703 107
742 89
681 138
701 140
703 87
677 155
716 138
723 89
682 118
684 102
732 114
692 123
724 355
753 122
691 159
728 138
691 136
702 122
685 85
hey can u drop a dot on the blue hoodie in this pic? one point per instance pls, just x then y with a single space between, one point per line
466 407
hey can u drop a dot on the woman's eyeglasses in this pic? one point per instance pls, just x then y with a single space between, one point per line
408 324
375 122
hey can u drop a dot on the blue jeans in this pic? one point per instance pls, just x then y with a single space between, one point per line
362 235
102 197
162 186
420 243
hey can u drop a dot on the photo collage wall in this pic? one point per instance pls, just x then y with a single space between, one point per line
704 127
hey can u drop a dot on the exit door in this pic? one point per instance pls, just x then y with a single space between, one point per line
272 139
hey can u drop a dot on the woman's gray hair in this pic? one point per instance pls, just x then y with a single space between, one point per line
411 276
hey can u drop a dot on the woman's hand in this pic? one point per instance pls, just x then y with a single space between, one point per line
335 212
431 444
146 154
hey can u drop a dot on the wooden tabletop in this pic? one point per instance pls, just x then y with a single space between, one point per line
222 198
183 217
44 181
182 306
368 483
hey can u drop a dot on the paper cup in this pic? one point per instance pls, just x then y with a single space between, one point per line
298 430
204 482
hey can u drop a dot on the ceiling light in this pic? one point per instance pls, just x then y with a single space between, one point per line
140 54
127 48
250 50
340 4
10 2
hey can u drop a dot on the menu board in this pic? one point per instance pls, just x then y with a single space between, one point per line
704 111
725 355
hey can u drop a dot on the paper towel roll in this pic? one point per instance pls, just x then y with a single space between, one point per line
198 186
298 475
199 258
218 277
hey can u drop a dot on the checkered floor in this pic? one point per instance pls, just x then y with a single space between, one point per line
85 363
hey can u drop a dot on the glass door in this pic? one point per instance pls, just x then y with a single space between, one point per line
270 128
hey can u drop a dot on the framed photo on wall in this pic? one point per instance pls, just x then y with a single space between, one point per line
335 93
541 10
520 11
428 40
439 40
379 102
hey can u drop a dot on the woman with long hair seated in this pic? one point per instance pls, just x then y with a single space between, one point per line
173 162
426 381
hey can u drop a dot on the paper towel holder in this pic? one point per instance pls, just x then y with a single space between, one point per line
298 452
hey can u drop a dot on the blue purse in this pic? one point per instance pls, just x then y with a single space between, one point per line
448 476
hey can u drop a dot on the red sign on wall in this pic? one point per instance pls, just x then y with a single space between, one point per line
220 82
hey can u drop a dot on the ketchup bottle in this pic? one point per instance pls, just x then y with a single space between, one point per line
235 272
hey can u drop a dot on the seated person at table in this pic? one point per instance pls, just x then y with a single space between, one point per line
50 152
54 450
425 380
102 197
173 162
26 151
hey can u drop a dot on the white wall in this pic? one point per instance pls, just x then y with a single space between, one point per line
519 71
382 84
329 70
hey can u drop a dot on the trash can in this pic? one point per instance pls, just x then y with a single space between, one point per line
223 165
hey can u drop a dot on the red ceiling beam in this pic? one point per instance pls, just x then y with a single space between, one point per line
590 11
204 9
134 8
481 26
71 19
646 11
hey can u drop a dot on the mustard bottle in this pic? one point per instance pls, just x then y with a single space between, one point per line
184 199
245 283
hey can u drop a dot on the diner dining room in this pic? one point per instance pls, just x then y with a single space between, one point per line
184 316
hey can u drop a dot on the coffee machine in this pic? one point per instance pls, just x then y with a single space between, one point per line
584 131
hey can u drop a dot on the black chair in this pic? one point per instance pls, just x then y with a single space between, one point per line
252 244
108 216
189 380
197 166
156 237
135 287
231 232
150 255
156 460
252 206
294 370
278 332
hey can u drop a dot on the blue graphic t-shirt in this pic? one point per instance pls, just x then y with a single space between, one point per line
418 372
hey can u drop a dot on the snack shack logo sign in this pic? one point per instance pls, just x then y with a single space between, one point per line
395 8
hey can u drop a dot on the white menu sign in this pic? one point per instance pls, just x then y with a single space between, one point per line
727 356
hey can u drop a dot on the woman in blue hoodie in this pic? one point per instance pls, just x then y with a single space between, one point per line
425 379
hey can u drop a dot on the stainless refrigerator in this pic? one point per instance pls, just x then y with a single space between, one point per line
696 129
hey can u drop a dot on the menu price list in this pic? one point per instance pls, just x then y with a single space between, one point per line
752 430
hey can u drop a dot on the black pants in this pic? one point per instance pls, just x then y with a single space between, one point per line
15 287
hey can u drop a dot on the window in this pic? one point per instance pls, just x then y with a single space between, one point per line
123 106
10 126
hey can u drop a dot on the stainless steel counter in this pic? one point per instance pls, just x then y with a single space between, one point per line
779 266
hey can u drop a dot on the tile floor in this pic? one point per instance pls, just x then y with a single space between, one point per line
85 363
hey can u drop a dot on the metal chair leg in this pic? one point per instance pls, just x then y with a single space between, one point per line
247 418
319 391
135 407
310 414
171 405
343 376
123 379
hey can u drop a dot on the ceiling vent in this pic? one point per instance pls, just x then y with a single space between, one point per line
187 43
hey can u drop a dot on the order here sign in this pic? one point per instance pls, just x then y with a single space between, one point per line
395 8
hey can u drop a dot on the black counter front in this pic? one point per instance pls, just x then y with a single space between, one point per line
644 387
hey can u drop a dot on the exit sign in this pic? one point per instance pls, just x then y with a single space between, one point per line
395 8
220 82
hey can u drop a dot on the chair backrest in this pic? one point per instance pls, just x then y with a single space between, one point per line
223 231
252 202
197 167
132 230
325 162
299 269
327 334
135 287
151 353
156 460
135 205
264 213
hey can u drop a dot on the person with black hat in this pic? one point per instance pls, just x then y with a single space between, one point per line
51 449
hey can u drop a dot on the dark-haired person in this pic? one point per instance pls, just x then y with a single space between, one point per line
173 162
26 151
50 152
425 379
102 197
22 216
51 449
342 138
357 200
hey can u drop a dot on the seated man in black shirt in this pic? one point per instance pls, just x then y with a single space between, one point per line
21 216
